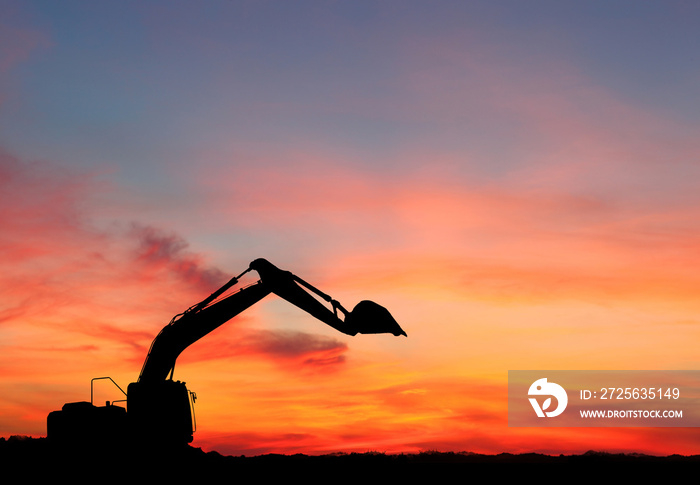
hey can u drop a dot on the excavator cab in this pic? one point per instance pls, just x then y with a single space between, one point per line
161 412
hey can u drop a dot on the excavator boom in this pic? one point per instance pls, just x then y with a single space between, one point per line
206 316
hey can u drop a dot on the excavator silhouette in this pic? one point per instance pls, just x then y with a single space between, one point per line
159 410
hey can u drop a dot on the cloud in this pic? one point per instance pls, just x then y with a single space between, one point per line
304 348
293 350
60 243
157 250
492 240
41 206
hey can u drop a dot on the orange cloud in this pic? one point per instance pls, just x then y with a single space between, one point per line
497 241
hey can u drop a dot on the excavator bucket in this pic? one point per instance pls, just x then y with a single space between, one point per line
369 317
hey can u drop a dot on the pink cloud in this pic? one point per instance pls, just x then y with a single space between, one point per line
158 250
293 350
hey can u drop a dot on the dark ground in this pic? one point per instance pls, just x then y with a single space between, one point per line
37 458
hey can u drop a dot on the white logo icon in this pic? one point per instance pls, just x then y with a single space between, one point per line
543 388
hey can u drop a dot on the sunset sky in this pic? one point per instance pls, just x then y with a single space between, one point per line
517 182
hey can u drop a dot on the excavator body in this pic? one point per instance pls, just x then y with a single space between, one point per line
82 424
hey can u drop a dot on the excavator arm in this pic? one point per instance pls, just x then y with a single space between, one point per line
215 310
